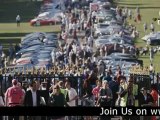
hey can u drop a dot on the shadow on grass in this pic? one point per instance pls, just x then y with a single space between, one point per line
144 57
134 4
18 34
146 7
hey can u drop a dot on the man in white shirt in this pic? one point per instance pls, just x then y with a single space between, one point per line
90 40
152 27
72 94
32 98
18 20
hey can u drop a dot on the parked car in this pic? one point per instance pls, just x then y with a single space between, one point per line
44 21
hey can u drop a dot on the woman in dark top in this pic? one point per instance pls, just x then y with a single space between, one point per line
87 96
56 99
145 99
87 89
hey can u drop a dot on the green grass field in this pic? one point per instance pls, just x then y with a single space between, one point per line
149 9
9 32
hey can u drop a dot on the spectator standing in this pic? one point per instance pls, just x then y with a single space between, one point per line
145 100
107 77
154 94
87 96
1 102
121 101
151 54
14 96
105 98
57 99
145 27
152 27
105 94
32 98
151 68
137 10
17 48
114 86
130 14
11 52
96 90
63 90
90 41
73 96
18 20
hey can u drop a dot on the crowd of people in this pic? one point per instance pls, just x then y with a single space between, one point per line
109 92
78 60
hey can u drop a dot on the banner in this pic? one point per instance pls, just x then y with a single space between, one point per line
79 111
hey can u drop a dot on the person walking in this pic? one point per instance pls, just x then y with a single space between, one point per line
18 20
14 96
151 54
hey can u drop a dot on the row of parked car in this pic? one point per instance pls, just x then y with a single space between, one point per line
111 34
50 14
36 50
152 38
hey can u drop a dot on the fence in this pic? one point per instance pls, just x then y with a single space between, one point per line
6 80
76 81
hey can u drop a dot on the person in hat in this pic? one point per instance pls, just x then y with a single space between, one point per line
14 96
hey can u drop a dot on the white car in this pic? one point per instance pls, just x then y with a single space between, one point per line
100 28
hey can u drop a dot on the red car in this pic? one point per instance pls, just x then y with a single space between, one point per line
44 21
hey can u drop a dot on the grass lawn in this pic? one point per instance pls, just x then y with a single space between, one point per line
9 32
149 9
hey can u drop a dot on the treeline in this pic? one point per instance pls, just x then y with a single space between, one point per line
10 1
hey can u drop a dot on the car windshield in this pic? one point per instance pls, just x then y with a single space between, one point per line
102 41
104 37
102 25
